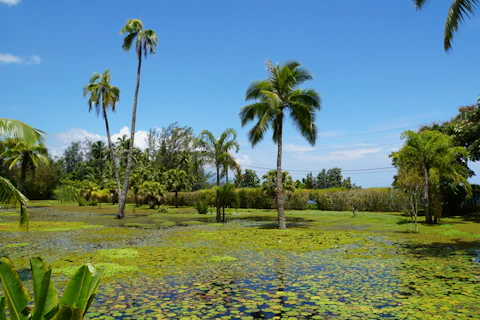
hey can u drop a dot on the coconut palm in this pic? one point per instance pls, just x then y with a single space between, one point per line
275 98
17 131
152 192
145 43
217 152
459 10
102 97
26 155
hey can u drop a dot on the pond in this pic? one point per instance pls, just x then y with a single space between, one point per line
244 270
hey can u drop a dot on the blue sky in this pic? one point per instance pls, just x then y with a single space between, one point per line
378 65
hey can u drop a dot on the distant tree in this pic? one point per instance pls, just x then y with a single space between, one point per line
432 156
334 176
275 98
411 187
103 96
270 182
73 155
322 181
217 152
249 179
145 42
309 181
152 192
26 155
459 10
177 180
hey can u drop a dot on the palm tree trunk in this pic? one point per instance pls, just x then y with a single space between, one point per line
219 215
282 224
123 196
226 174
176 199
23 175
112 152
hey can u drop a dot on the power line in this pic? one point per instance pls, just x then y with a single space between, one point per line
312 171
364 133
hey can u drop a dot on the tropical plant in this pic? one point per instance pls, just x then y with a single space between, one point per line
145 43
202 206
19 131
275 98
411 186
217 152
26 155
459 10
102 97
247 180
74 303
432 156
269 184
152 192
177 180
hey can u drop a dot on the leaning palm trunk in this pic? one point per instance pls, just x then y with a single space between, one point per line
280 200
112 152
122 197
10 195
426 198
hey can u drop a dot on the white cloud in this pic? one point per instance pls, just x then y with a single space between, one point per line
296 148
395 149
8 58
58 142
243 160
10 2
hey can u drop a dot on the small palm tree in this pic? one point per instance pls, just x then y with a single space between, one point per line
459 9
152 192
275 98
217 152
104 96
270 182
177 180
431 156
145 43
26 155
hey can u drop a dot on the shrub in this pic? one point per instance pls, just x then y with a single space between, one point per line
66 193
163 209
202 207
298 200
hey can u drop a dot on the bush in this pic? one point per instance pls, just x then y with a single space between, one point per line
66 193
202 207
163 209
298 200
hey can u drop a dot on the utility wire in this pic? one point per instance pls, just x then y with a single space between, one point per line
308 171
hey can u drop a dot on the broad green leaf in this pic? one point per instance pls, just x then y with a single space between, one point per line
77 290
16 295
65 313
93 289
45 294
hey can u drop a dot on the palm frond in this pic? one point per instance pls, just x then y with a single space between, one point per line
18 130
255 88
459 10
128 41
419 3
303 118
255 135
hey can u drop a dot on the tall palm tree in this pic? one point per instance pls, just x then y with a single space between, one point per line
275 98
26 155
146 41
18 131
231 164
459 10
102 97
217 152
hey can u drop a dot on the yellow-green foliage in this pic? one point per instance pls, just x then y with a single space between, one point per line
101 196
16 245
